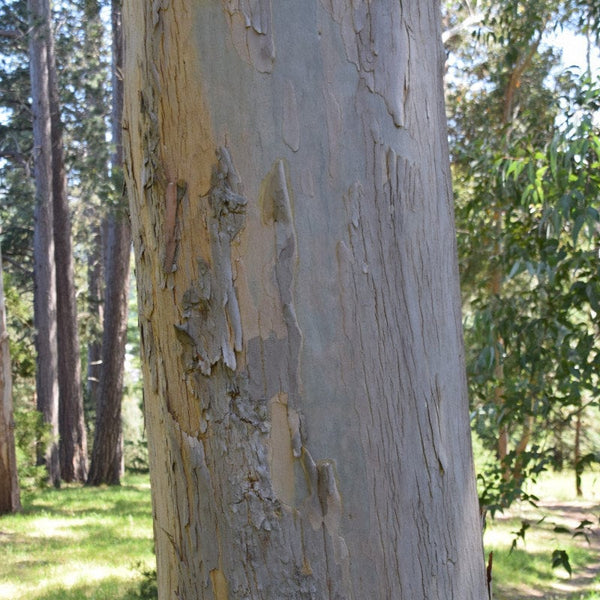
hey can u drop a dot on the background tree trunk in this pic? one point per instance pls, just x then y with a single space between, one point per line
43 243
107 455
95 100
95 279
71 425
577 454
9 483
298 293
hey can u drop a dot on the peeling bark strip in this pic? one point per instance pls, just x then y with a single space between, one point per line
291 127
376 35
250 23
174 194
304 386
212 329
170 224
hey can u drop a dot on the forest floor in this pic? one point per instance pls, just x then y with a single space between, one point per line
559 523
96 544
78 543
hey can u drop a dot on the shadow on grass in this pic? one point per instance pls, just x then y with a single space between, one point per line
526 574
76 542
108 588
134 508
83 501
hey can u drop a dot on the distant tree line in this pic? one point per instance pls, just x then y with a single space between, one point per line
65 232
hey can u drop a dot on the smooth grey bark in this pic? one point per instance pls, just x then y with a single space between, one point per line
9 484
71 423
304 376
107 453
43 238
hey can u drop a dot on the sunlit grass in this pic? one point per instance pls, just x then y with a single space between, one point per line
92 543
561 486
77 543
527 571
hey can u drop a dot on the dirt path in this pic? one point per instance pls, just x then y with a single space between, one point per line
569 515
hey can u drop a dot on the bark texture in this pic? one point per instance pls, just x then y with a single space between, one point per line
298 293
43 238
9 483
107 454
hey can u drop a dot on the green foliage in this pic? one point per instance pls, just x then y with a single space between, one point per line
526 166
525 537
560 558
32 436
584 530
147 589
136 455
19 323
519 534
587 460
497 492
541 329
16 164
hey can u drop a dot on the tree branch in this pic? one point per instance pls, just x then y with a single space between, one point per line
515 78
11 34
472 20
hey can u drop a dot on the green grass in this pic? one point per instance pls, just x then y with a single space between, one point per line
94 543
561 486
527 571
77 543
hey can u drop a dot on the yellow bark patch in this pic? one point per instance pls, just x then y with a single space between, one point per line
187 149
281 458
219 584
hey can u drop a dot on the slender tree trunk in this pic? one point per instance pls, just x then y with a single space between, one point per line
9 483
497 275
95 278
577 455
43 250
521 447
73 436
496 290
298 292
94 31
107 455
558 447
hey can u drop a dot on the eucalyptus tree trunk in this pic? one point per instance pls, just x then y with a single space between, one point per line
107 454
304 374
43 237
9 483
71 423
